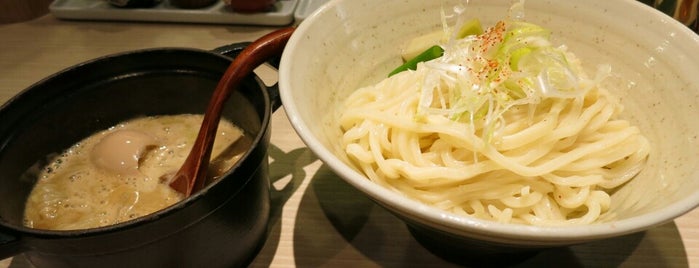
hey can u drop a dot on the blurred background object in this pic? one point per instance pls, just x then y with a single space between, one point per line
134 3
11 11
684 11
250 6
192 3
22 10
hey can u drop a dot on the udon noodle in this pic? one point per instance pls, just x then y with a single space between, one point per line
456 134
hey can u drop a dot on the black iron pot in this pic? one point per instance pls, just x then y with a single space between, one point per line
224 225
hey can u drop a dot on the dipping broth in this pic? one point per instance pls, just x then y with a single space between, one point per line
124 172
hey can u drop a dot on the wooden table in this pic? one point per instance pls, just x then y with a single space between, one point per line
318 220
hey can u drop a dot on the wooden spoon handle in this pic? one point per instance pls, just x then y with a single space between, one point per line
192 175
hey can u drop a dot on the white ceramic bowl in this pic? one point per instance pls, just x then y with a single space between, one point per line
349 43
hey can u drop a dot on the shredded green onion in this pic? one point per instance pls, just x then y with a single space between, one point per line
479 77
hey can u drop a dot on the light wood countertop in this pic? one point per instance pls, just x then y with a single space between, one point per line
317 219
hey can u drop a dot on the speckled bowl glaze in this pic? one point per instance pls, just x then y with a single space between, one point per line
350 43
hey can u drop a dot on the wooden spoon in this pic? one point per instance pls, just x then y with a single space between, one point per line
192 175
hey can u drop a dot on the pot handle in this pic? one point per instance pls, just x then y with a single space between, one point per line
10 245
233 50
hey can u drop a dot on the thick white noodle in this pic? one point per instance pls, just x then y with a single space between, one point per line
550 164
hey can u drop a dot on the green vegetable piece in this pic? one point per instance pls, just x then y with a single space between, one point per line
419 44
517 55
514 90
470 27
429 54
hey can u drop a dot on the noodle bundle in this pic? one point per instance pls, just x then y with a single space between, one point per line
486 131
